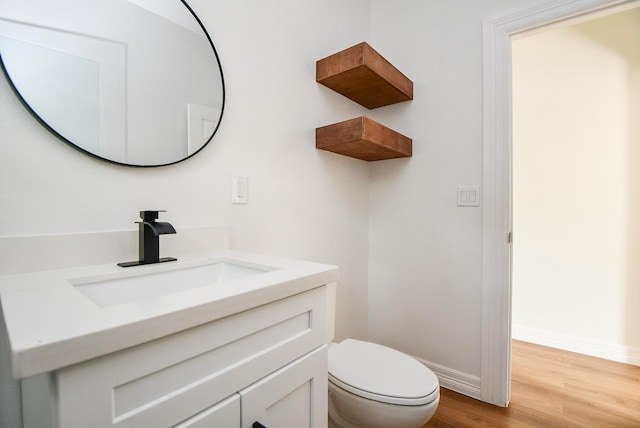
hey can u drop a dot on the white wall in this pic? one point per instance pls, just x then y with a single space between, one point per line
303 202
576 276
425 284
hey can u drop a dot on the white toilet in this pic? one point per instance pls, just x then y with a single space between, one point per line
373 386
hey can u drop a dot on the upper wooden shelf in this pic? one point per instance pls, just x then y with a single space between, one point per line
364 76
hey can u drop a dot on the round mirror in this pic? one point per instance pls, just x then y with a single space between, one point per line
133 82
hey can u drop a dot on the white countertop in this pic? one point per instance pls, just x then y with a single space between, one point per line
51 325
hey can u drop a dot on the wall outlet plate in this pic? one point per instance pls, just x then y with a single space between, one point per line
239 189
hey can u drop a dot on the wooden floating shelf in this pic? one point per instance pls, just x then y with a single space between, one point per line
363 138
364 76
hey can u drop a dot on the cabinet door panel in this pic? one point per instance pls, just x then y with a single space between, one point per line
294 396
224 414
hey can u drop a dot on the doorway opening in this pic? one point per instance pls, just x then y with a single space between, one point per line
497 189
576 189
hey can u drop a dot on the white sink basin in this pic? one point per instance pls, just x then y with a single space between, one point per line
130 286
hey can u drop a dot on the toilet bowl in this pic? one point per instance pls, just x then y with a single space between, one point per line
373 386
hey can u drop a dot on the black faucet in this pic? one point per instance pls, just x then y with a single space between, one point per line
149 231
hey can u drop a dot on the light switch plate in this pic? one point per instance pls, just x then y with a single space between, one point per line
468 196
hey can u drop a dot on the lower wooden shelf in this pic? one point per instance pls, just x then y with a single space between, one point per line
363 138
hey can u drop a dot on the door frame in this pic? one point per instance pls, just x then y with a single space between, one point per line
495 386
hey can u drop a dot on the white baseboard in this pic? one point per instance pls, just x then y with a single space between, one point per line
581 345
454 380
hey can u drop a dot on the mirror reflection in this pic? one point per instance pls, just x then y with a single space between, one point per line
135 82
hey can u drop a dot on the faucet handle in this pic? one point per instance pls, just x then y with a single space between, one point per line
150 215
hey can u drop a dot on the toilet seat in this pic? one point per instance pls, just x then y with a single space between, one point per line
380 373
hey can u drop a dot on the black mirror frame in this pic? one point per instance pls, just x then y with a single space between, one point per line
80 149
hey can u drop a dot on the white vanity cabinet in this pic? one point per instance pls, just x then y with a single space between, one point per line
267 364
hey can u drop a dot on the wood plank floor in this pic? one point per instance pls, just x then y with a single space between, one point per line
552 388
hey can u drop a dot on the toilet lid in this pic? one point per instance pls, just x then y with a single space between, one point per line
381 373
